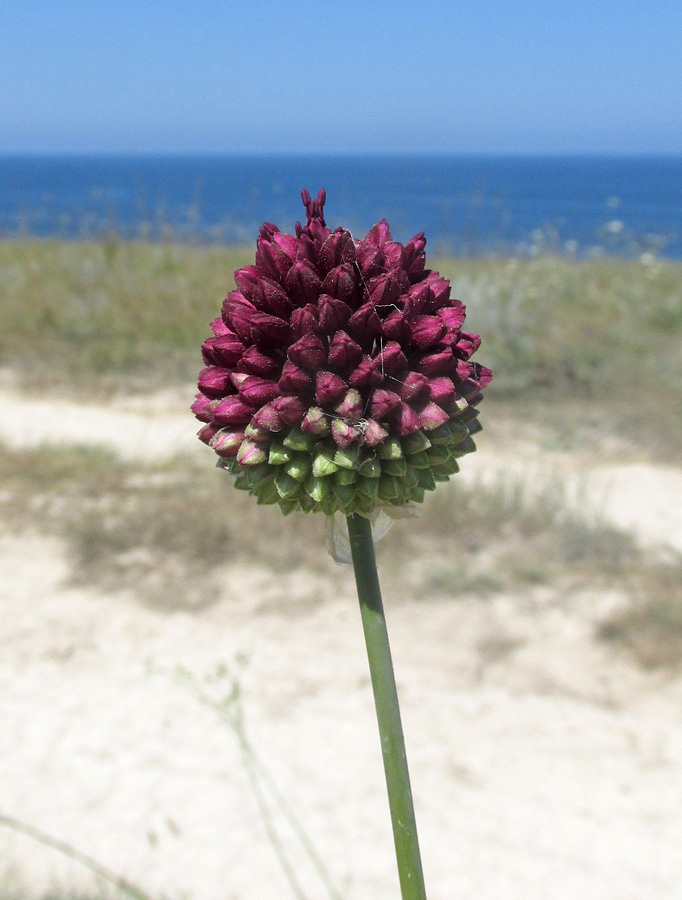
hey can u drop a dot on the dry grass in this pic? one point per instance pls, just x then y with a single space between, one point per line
170 533
650 626
162 530
584 346
110 315
489 538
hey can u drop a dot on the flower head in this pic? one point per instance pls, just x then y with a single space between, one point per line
338 377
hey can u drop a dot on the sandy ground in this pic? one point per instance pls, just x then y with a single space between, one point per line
544 766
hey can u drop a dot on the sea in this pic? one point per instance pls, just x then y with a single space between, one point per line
466 205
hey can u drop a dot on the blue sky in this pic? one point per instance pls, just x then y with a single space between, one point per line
474 76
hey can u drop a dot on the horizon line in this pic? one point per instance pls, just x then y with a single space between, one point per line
348 154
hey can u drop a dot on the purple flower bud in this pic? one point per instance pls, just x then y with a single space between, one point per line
287 243
420 300
316 421
464 369
391 359
267 230
441 290
303 283
351 406
214 381
431 416
267 296
370 259
318 232
305 320
333 313
452 316
426 331
294 380
440 363
415 270
337 249
442 390
272 260
484 375
207 433
257 362
364 325
414 249
203 408
237 314
233 411
290 409
247 280
341 283
375 433
268 331
207 353
257 391
395 255
307 250
383 403
366 373
344 433
383 292
468 343
309 352
329 388
267 418
408 420
379 234
227 442
224 350
218 327
395 328
344 352
413 387
469 389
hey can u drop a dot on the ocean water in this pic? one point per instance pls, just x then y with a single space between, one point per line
465 204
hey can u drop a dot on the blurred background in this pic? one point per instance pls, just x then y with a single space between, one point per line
184 697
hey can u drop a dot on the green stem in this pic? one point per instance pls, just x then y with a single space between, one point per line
387 709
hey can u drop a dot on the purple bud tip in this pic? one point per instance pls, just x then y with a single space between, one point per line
314 208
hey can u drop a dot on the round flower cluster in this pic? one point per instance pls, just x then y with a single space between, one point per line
339 377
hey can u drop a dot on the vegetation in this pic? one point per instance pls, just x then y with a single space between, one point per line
157 530
601 336
589 347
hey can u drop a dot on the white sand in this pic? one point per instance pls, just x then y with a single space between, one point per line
544 767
